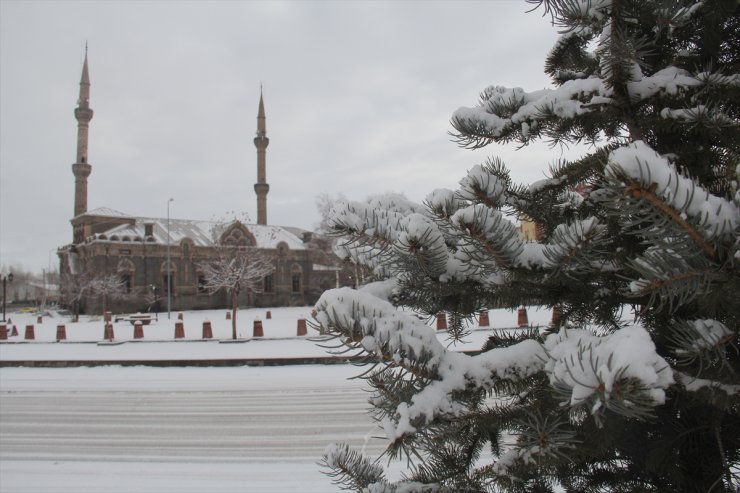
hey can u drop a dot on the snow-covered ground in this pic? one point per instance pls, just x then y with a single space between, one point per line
142 429
182 429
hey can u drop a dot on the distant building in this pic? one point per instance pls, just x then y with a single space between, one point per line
106 241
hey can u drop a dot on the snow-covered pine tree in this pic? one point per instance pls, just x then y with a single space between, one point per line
636 388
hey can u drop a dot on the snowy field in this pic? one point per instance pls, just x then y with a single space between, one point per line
181 429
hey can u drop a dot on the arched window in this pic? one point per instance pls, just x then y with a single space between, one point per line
268 284
169 277
125 270
296 278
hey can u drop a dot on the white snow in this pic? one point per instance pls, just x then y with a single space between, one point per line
641 163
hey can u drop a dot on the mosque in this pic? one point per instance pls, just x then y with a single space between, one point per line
154 257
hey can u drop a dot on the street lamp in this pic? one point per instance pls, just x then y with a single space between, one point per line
6 279
169 270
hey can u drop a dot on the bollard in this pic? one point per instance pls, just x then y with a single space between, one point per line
3 332
40 319
30 334
228 315
108 332
302 330
207 330
441 321
61 332
14 332
268 315
257 331
556 312
180 316
522 320
483 320
179 330
138 330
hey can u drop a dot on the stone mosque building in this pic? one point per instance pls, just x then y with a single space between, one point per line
137 249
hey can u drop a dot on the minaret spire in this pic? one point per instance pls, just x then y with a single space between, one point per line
81 168
261 142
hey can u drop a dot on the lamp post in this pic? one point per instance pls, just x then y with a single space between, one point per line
169 270
6 279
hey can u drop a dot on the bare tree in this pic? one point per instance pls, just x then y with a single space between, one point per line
235 269
110 287
72 290
77 287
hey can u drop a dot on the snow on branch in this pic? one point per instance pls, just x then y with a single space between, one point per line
492 236
402 340
621 371
569 242
652 176
504 110
481 186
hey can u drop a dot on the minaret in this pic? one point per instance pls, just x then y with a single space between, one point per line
81 168
261 187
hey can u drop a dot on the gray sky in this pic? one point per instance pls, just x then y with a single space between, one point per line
358 97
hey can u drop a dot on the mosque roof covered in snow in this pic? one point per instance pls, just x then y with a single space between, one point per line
202 233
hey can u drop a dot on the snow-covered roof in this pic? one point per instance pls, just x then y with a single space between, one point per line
106 212
202 233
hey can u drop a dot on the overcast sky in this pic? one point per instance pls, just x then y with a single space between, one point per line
358 97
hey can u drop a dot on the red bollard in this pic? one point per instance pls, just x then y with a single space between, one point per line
180 316
61 332
483 319
441 321
302 330
108 332
258 331
39 319
138 330
228 315
30 333
268 315
207 330
179 330
556 313
522 319
14 332
3 332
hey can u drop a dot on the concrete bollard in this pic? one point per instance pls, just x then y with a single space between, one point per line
3 332
14 332
207 330
228 315
556 313
108 332
258 331
138 330
483 320
179 330
522 319
61 332
30 333
441 321
302 330
40 319
268 315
